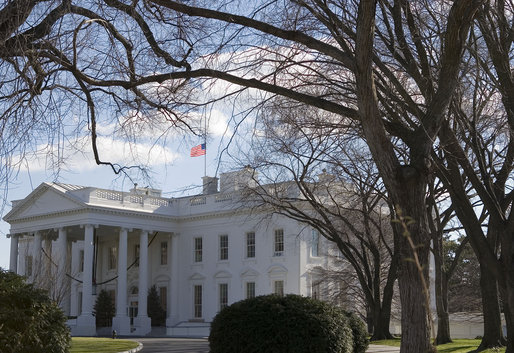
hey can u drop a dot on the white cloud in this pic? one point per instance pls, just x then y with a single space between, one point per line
77 155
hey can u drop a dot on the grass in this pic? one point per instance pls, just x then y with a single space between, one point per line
100 345
457 346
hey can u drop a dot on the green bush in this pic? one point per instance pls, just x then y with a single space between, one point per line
275 324
360 333
29 320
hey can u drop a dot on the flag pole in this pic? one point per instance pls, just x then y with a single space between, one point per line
205 142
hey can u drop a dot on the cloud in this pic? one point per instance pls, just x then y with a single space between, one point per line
77 155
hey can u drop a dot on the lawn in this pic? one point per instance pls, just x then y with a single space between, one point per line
458 346
100 345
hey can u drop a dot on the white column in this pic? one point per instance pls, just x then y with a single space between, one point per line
173 310
13 259
60 258
86 321
36 256
143 322
74 310
121 322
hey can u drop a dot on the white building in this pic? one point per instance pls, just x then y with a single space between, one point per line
201 252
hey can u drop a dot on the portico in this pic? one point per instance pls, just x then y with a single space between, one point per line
77 248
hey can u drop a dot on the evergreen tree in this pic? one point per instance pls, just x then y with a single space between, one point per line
29 320
104 309
155 310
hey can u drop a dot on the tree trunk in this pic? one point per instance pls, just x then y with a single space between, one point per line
509 314
441 292
381 323
369 319
413 277
415 323
443 317
493 335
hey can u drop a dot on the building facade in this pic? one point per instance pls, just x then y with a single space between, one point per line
201 252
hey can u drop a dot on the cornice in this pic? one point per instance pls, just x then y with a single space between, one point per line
95 209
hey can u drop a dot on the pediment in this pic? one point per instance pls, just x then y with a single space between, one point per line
222 274
44 200
249 272
197 277
277 270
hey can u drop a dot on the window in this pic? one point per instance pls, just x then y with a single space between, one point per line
315 243
250 290
136 254
250 244
164 253
197 301
81 261
223 295
163 297
224 247
278 288
198 250
28 265
279 243
315 290
113 258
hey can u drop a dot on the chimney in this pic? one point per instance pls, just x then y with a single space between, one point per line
210 185
238 180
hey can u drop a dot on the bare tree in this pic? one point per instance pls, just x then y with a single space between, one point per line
391 65
309 172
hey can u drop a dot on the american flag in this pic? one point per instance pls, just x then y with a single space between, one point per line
198 150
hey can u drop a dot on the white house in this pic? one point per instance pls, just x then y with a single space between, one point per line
201 252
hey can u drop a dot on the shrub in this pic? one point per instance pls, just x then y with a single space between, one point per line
359 332
275 324
104 309
29 320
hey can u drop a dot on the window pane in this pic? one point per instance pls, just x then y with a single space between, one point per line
223 295
250 290
28 265
278 288
164 253
198 301
113 259
315 290
315 243
198 250
163 297
279 242
250 244
223 247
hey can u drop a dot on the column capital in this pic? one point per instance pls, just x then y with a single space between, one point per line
126 229
58 229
